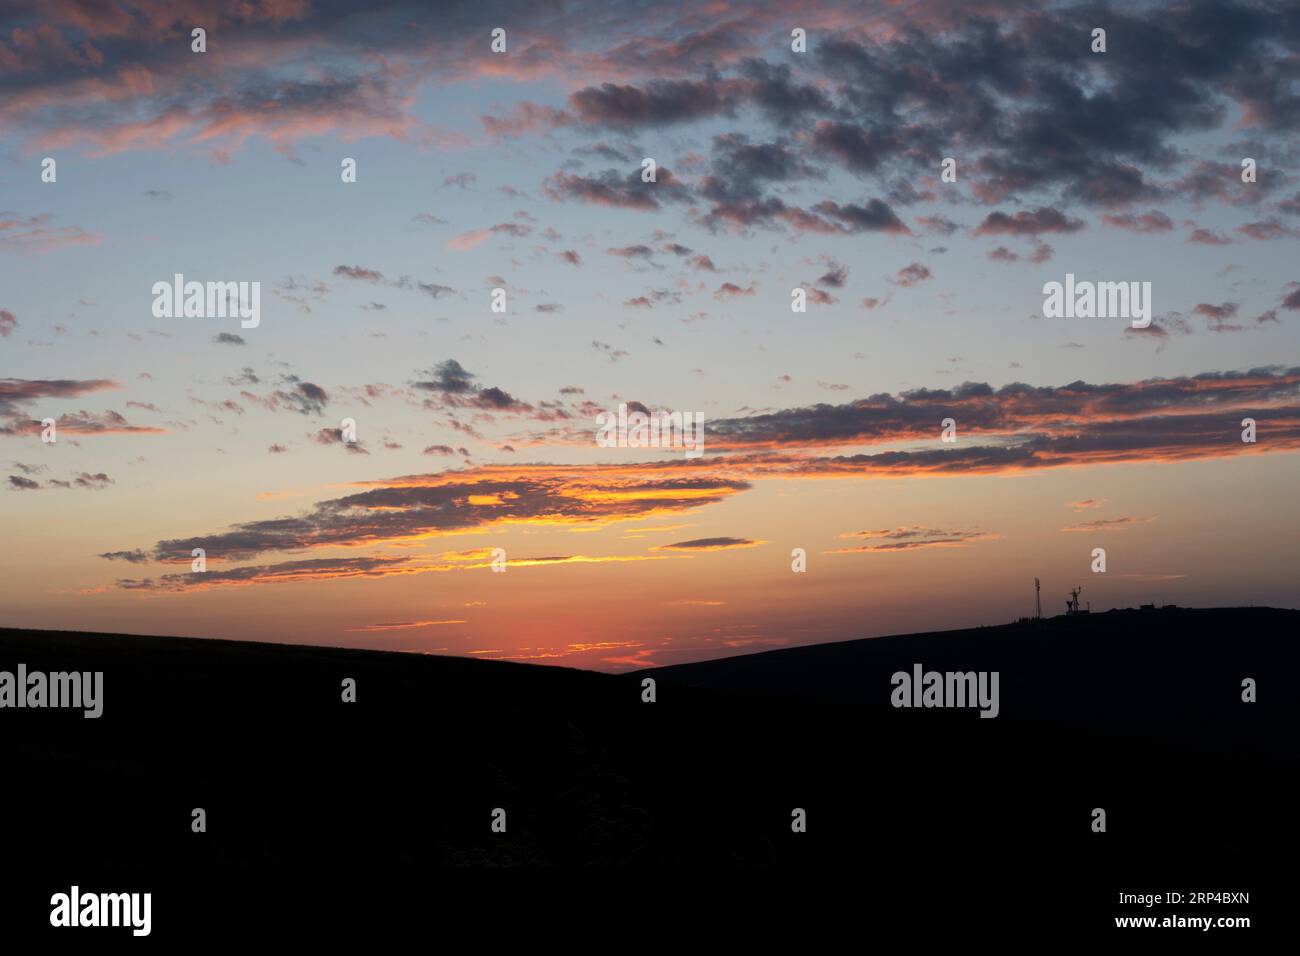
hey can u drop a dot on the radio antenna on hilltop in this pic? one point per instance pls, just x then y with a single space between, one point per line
1038 600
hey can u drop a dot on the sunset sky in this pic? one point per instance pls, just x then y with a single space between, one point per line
522 170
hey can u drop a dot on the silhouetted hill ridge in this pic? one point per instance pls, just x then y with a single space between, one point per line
1138 712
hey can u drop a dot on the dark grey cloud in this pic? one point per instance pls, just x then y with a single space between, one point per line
16 392
136 556
1027 223
708 544
448 377
451 385
334 436
835 277
623 191
978 407
432 289
631 252
910 275
656 103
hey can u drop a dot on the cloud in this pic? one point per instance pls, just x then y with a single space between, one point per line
850 218
913 538
1014 429
1085 503
1267 230
1042 253
741 169
909 276
710 544
658 103
77 423
404 626
1033 414
937 225
328 569
15 392
306 398
136 556
1008 81
835 276
1218 316
730 290
420 506
631 252
334 436
622 192
81 479
526 118
85 480
282 110
294 394
1148 222
37 234
857 147
613 353
448 377
468 240
374 276
1108 524
357 272
1206 237
1028 223
289 571
451 385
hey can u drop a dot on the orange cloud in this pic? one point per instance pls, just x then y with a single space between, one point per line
1109 524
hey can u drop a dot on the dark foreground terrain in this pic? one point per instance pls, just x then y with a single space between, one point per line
1136 712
